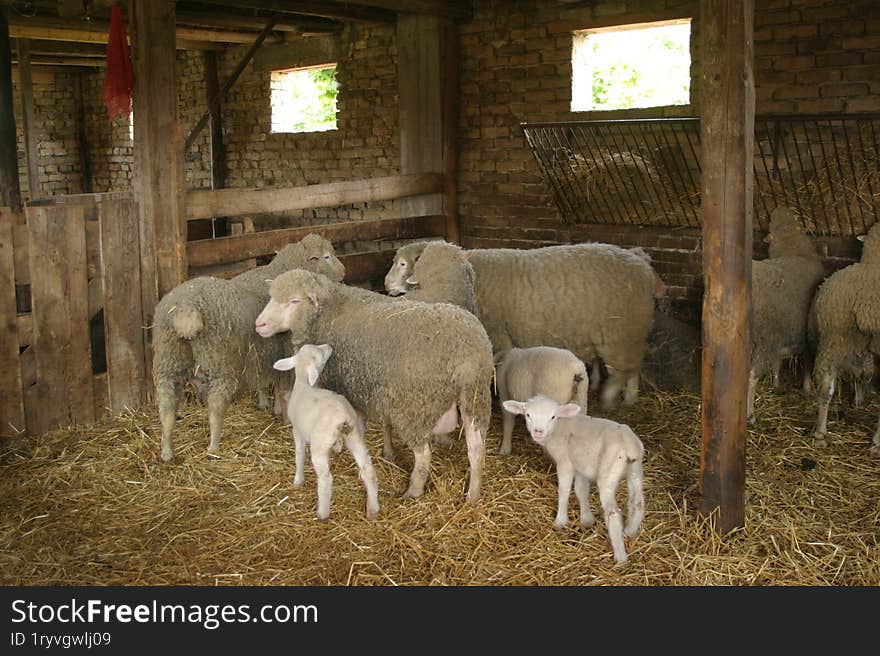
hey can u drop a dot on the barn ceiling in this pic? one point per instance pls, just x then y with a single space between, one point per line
73 32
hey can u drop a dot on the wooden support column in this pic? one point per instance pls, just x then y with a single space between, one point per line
212 91
727 135
29 126
158 183
10 192
427 74
85 166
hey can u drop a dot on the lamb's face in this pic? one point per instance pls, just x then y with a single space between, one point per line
402 268
291 308
541 414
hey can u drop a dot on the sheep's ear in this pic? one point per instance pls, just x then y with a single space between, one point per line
285 364
268 281
568 410
313 297
313 375
466 255
515 407
412 281
861 237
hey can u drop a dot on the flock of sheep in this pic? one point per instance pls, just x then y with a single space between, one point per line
541 324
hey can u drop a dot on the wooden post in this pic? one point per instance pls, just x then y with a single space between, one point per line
85 167
11 398
158 156
426 66
28 123
10 193
727 129
212 90
450 135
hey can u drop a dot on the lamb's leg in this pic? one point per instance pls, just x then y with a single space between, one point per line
421 470
564 479
476 455
508 420
635 498
825 393
321 463
582 490
777 365
607 484
358 450
875 441
750 399
263 402
387 446
219 397
611 391
169 395
807 385
299 458
631 393
858 393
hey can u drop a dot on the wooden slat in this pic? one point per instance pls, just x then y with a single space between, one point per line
206 204
25 323
727 131
10 194
91 200
123 317
21 245
209 252
59 290
96 295
102 395
29 125
11 399
366 267
28 370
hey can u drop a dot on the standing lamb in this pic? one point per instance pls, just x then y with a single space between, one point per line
596 300
589 450
323 420
204 328
414 365
782 288
847 321
546 370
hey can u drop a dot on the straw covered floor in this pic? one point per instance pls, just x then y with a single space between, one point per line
94 506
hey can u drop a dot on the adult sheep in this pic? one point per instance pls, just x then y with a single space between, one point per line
203 328
415 365
783 286
596 300
847 324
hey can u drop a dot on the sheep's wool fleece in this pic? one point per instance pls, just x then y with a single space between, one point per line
402 361
444 276
523 373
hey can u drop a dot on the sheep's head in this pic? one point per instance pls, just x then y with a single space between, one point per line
871 245
313 253
294 304
786 235
309 362
402 268
541 414
439 261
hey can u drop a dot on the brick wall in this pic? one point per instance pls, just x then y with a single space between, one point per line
810 56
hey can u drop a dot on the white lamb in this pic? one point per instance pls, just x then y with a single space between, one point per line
586 450
323 420
524 373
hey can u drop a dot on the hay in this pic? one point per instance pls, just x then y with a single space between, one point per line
93 506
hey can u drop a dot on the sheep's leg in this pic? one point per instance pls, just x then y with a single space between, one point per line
218 400
421 470
476 455
358 450
807 384
564 479
631 393
299 447
282 396
595 375
858 393
607 485
169 395
582 490
611 391
508 420
321 463
777 365
263 402
825 393
875 441
635 498
387 446
750 399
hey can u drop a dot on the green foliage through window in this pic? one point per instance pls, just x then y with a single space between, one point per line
304 100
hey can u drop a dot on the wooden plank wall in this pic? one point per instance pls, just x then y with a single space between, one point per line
11 396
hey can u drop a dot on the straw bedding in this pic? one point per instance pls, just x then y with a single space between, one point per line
94 506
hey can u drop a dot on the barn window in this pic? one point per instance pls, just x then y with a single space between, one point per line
630 66
304 99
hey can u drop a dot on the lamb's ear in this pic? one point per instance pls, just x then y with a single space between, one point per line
412 281
285 364
313 297
861 237
313 374
515 407
568 410
327 350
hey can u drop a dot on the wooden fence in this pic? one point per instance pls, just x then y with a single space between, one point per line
75 338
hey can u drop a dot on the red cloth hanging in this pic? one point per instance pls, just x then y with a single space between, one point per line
120 78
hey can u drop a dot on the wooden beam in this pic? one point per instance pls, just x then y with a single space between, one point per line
311 51
212 90
421 44
348 11
205 204
297 25
43 47
211 252
227 85
727 131
10 192
61 60
29 126
158 182
446 8
450 134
